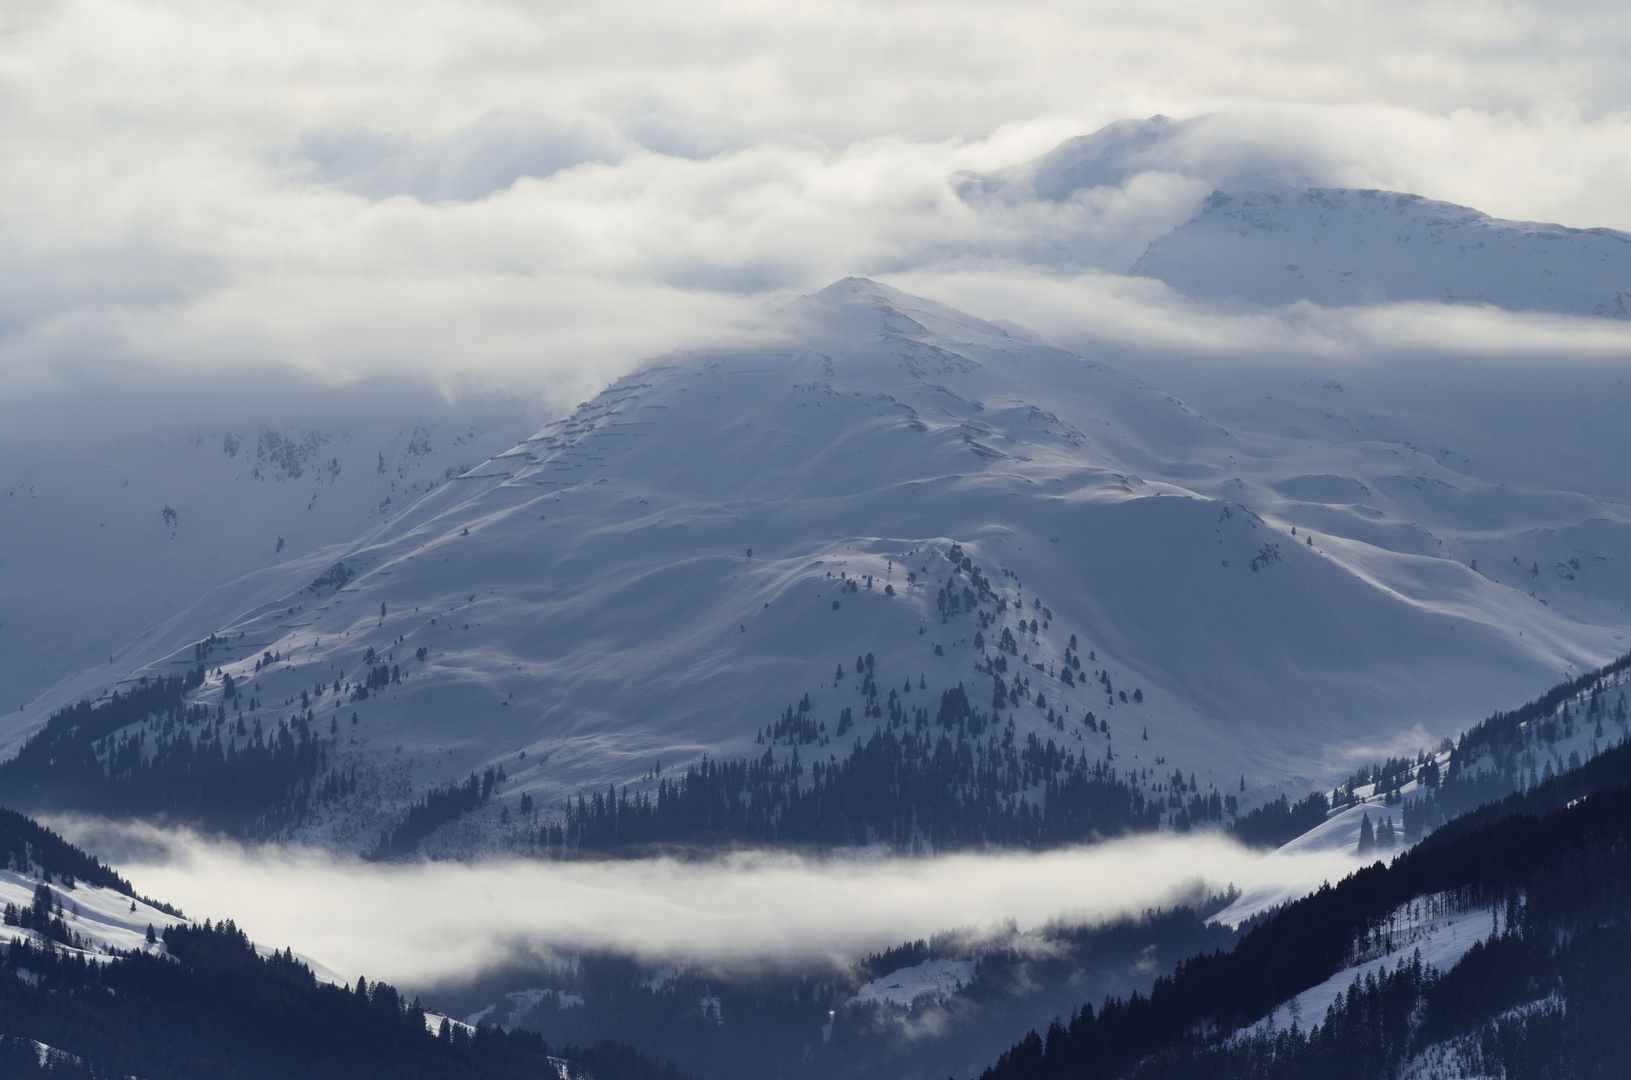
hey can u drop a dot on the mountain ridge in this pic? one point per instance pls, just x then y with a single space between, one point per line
659 575
1270 243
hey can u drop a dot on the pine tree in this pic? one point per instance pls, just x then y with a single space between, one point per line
1367 835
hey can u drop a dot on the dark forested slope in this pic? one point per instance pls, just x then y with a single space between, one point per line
1536 999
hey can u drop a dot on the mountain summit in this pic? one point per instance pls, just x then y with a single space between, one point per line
770 555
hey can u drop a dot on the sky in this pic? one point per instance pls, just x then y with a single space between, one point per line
536 196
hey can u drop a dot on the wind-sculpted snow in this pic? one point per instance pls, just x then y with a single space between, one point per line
854 517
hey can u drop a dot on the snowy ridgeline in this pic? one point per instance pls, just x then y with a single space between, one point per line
1393 804
1382 810
1246 221
784 553
1435 931
92 921
1273 244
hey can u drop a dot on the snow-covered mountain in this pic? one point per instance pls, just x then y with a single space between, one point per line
1462 957
1219 210
1272 244
718 538
124 510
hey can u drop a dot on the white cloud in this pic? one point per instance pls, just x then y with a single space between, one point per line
478 159
496 190
1129 321
421 923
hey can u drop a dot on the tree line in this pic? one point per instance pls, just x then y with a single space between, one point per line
915 783
208 1005
148 751
1556 859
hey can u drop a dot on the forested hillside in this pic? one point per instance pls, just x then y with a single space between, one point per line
1551 870
201 1001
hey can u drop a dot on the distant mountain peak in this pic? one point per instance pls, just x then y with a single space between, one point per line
1270 243
1109 157
1207 148
1227 210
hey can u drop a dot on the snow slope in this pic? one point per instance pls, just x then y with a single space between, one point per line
123 510
1438 927
588 597
1272 244
931 981
105 918
1219 211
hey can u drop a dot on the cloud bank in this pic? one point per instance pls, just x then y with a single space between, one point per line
539 196
422 923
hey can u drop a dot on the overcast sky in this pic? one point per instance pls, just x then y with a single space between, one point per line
540 194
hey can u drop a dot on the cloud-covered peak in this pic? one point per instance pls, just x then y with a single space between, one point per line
1213 149
858 309
1108 157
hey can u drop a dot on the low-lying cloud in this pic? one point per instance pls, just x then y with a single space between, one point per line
422 923
1134 320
